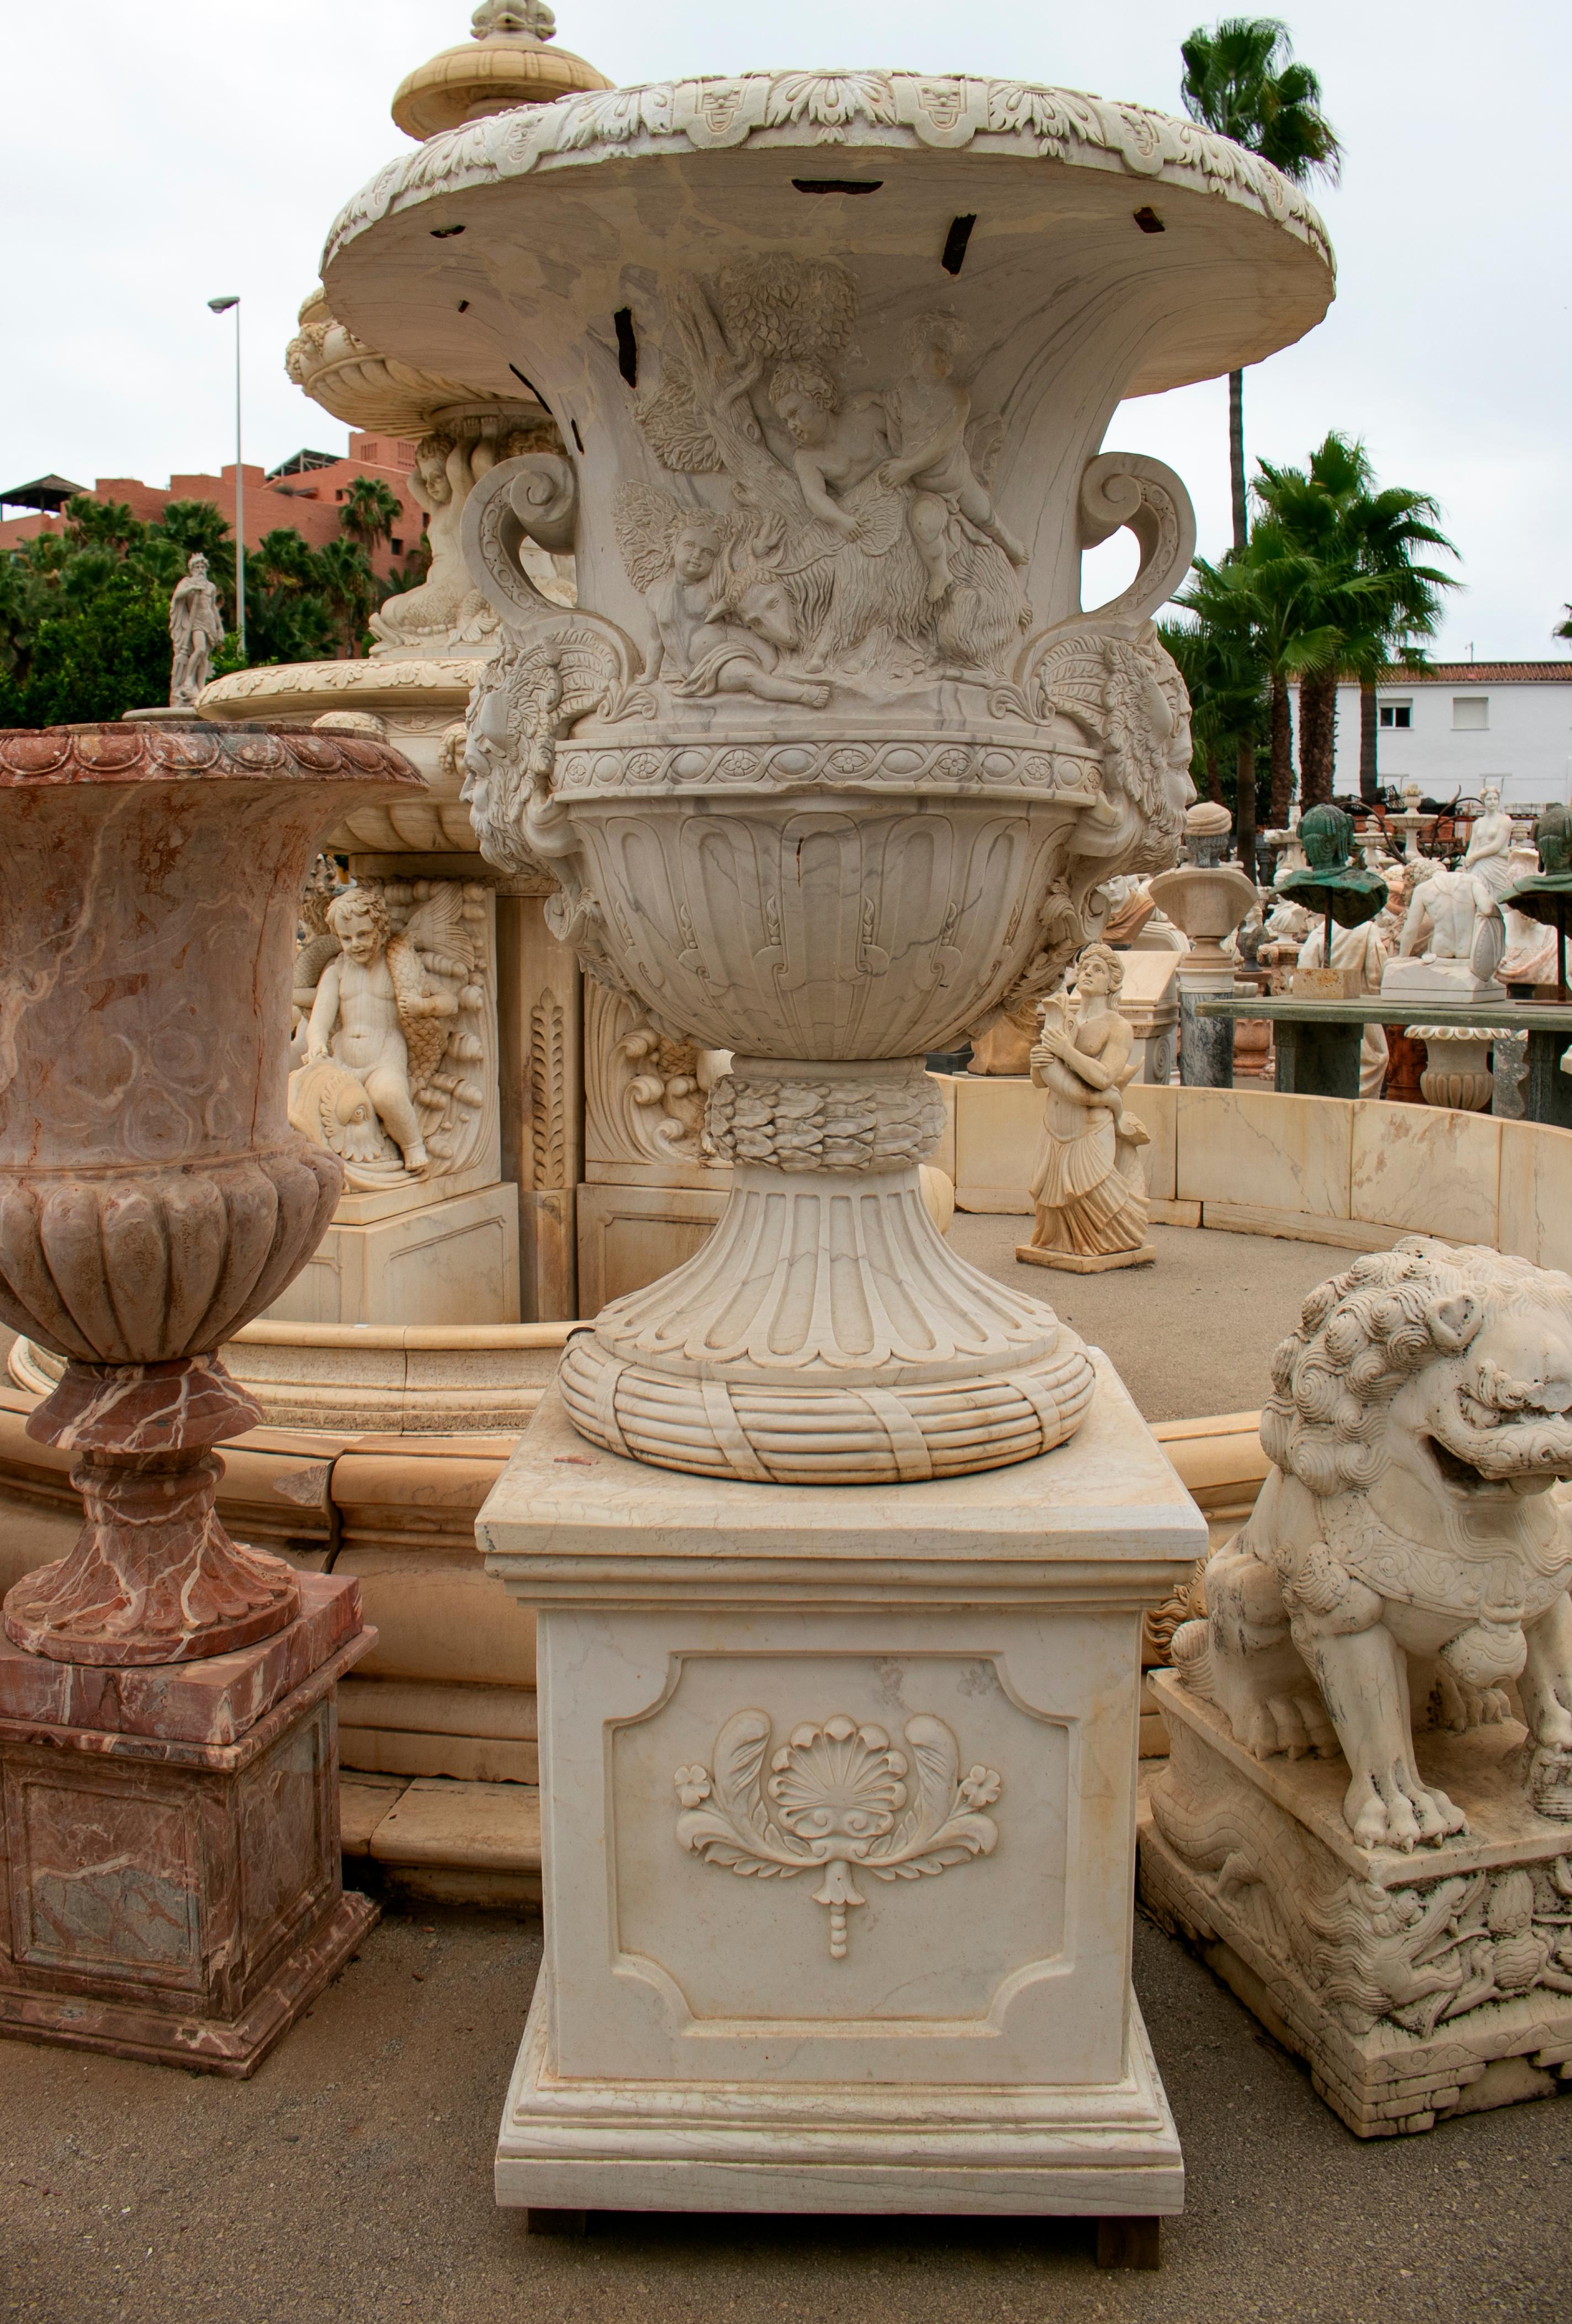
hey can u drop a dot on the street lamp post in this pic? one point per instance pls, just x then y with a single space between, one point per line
222 307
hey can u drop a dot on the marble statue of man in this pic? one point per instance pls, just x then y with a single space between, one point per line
195 631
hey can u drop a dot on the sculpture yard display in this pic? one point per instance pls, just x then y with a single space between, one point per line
1354 1820
170 1813
836 1544
1207 899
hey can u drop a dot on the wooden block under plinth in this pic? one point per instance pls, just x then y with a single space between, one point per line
1075 1262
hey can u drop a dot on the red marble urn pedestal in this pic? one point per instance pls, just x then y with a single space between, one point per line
170 1876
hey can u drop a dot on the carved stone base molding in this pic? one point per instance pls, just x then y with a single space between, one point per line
826 1332
1419 1985
622 2143
171 1838
838 1819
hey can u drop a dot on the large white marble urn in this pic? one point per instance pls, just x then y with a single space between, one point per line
828 760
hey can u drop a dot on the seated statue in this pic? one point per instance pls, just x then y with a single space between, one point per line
1089 1189
1452 939
369 997
1408 1548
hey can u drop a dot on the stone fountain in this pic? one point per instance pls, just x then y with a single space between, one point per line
838 1546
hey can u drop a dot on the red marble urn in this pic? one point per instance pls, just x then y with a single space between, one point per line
152 1196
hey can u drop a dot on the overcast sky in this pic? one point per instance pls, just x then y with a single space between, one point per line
156 155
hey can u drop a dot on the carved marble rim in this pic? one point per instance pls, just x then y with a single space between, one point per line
870 110
112 753
442 674
967 768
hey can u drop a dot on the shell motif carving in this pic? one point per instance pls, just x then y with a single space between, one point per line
840 1798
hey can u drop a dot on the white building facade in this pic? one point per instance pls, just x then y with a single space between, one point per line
1458 725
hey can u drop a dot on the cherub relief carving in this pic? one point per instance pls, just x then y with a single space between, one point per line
864 508
930 411
395 1031
720 627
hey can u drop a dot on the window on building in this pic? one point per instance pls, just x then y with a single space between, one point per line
1397 714
1470 713
396 545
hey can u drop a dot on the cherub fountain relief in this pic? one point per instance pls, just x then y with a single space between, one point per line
399 1021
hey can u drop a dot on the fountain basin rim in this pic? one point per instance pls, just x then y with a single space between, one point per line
870 111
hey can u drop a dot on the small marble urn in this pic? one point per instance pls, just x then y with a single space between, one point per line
152 1196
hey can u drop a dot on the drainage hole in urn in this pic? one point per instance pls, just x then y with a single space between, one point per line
954 243
627 347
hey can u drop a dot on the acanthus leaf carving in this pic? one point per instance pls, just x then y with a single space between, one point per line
643 1093
840 1798
548 1092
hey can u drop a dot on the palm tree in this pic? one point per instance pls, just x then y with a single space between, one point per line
1263 604
1224 675
1240 79
1564 628
369 512
1362 600
349 589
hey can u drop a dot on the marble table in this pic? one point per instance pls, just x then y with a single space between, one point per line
1318 1042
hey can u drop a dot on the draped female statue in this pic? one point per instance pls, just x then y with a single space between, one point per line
1089 1188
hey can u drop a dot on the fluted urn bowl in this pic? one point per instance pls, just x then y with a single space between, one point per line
153 1196
829 761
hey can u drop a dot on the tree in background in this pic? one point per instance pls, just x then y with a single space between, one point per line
83 613
1252 615
349 590
1363 601
1327 588
369 512
1241 79
1564 628
1221 661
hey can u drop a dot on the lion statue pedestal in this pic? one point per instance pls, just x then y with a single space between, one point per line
1366 1821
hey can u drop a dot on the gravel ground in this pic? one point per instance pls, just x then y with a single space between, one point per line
1194 1331
350 2183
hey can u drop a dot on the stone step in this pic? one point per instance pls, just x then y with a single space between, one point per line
452 1843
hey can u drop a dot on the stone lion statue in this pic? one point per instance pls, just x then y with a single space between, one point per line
1407 1549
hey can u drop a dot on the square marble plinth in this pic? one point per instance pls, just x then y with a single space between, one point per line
1417 1984
170 1876
838 1801
420 1255
1085 1262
